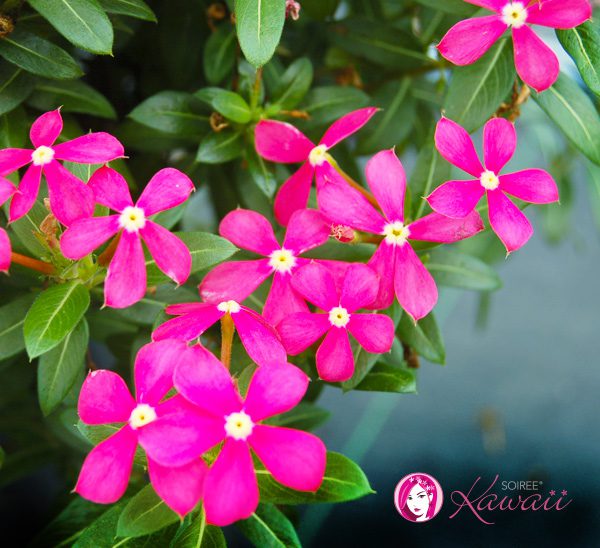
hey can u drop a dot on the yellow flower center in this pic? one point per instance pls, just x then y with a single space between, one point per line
282 260
514 14
339 317
42 155
238 425
142 415
318 155
230 307
489 180
396 233
132 219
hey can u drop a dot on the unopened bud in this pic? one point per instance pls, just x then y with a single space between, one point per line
292 9
342 233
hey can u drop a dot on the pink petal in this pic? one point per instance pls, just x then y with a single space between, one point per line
295 459
298 331
188 308
85 235
306 230
168 188
347 125
374 332
231 489
508 222
104 398
456 198
532 185
281 142
12 159
105 472
110 189
92 148
7 189
499 143
536 63
170 254
293 193
317 285
560 14
387 180
180 487
29 188
456 146
282 299
260 340
5 251
468 40
249 230
46 129
492 5
344 205
335 362
189 326
361 287
155 364
383 262
70 198
234 280
207 384
275 390
415 288
125 282
441 229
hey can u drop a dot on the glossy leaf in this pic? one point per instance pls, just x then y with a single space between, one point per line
132 8
194 532
455 269
269 528
328 103
12 318
15 86
219 54
218 148
582 43
229 104
293 84
387 378
424 337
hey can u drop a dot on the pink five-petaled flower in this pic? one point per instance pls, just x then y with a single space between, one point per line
5 250
70 198
126 278
294 458
536 63
105 399
374 332
458 198
283 143
397 264
235 280
260 340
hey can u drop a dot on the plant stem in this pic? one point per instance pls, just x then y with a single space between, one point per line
33 264
106 256
227 331
256 90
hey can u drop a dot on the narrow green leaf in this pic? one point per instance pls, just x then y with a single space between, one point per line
583 44
101 532
328 103
12 319
388 378
293 84
196 533
455 269
269 528
55 312
219 54
425 337
131 8
457 7
27 227
229 104
262 176
218 148
15 86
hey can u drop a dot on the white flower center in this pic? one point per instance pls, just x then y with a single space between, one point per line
42 155
318 155
142 415
238 425
396 233
132 219
514 14
339 316
231 307
282 260
489 180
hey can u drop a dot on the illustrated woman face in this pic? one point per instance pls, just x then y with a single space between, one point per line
418 501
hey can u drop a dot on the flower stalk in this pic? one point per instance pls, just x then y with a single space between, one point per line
33 264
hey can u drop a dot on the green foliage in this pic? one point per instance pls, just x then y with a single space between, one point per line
583 45
269 528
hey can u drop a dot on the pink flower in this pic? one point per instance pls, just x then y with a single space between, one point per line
536 63
283 143
459 198
249 230
260 340
5 250
294 458
126 279
374 332
105 399
70 198
398 266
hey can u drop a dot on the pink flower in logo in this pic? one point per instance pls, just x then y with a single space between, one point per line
536 63
418 497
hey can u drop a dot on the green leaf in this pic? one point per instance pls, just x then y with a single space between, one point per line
458 7
81 22
363 362
262 176
73 96
320 9
218 148
583 44
388 378
97 433
425 337
229 104
12 318
101 532
131 8
574 113
293 84
328 103
28 226
173 112
476 91
219 54
455 269
58 369
15 86
305 416
197 534
269 528
429 170
55 312
36 55
259 25
144 514
343 481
